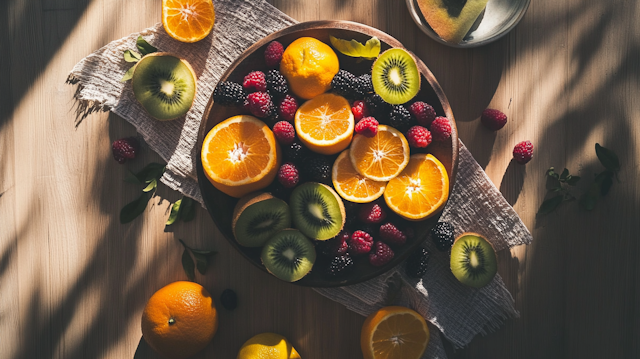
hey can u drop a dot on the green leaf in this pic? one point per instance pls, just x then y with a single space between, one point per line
550 204
553 184
370 50
563 176
132 210
144 47
202 262
188 265
150 172
552 173
128 75
131 56
204 252
188 209
573 180
608 158
175 213
130 177
151 186
604 180
589 199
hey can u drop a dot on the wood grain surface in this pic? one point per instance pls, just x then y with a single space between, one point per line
73 280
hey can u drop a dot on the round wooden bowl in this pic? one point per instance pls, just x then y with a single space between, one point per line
220 206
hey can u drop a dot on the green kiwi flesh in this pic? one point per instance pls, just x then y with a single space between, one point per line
395 76
289 255
317 210
473 260
165 85
258 216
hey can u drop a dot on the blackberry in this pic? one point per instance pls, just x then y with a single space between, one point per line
442 235
294 152
343 84
416 265
229 299
378 106
317 168
340 265
400 118
229 93
363 86
276 84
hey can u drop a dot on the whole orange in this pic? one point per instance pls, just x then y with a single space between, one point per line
309 65
179 320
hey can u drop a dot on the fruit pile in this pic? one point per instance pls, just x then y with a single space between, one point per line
325 161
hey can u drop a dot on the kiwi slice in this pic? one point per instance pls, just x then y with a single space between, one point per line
165 85
317 210
473 260
257 216
395 76
289 255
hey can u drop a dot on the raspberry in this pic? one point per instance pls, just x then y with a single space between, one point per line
423 113
367 127
284 132
255 81
372 212
288 107
442 235
390 234
493 119
273 54
377 105
259 104
363 85
381 254
288 175
360 242
441 129
400 118
337 246
294 152
359 110
317 168
125 149
416 266
229 93
523 152
340 265
342 83
418 137
276 84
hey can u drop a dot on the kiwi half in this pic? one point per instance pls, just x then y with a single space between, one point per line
257 216
317 210
473 260
395 76
289 255
164 84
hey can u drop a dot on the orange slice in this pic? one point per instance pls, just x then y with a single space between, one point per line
240 155
188 20
350 185
381 157
325 123
420 190
394 333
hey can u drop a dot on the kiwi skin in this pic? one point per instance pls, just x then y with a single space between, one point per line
193 74
246 202
300 225
489 262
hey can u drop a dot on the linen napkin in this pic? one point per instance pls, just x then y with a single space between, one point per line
459 313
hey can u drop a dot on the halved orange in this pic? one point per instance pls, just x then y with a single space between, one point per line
350 185
420 190
188 20
381 157
240 155
394 333
325 123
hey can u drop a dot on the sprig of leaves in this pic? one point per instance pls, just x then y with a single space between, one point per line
183 209
558 184
132 56
370 50
603 180
202 260
149 177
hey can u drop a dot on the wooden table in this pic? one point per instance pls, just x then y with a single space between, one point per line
73 280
